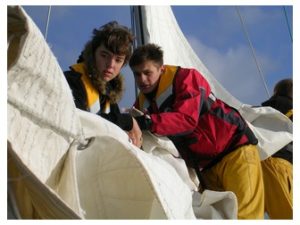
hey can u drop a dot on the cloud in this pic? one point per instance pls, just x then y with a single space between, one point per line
61 12
257 15
235 70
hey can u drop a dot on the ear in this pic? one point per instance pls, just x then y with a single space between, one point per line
162 68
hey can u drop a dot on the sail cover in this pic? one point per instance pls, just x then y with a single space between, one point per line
157 24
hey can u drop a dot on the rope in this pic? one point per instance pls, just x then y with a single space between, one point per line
137 26
253 51
287 23
47 24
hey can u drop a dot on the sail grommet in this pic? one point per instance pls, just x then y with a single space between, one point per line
87 143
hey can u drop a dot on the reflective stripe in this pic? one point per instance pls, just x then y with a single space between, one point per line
106 108
212 97
95 107
164 96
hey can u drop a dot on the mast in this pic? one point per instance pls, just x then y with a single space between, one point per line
137 25
137 29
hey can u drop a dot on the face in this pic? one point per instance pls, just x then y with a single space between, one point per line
147 75
107 63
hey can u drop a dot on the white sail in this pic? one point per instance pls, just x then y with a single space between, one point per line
157 24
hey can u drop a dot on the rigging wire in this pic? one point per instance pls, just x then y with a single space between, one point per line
287 23
47 23
252 50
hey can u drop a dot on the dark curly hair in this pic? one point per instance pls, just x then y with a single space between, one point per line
115 37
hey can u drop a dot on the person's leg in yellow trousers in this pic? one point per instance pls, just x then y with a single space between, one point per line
240 172
278 181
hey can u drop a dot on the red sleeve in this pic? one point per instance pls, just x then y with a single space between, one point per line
190 89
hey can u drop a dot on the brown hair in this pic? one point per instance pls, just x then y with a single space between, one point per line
146 52
117 39
284 88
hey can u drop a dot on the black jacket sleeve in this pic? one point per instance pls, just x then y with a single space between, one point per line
143 122
77 88
123 120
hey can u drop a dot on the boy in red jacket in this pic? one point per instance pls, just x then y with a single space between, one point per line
211 136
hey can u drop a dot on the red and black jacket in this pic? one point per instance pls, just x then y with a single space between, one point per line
185 110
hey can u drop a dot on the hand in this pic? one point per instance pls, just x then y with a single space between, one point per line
135 112
135 134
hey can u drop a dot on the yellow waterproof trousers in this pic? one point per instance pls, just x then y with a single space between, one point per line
278 181
240 172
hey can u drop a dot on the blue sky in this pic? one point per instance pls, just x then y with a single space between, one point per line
214 32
